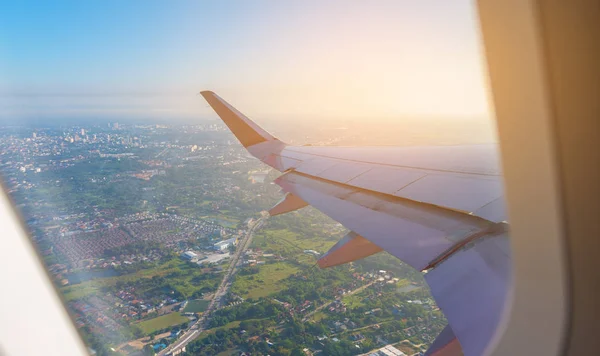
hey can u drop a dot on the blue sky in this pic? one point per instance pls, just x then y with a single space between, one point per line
319 59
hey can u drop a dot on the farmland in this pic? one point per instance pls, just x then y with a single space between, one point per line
183 276
269 280
161 322
196 306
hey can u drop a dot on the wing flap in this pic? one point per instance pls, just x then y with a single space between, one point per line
289 202
350 248
414 232
471 288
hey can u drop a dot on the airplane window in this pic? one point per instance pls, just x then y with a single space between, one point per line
150 210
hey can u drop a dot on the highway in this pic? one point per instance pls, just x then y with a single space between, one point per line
198 327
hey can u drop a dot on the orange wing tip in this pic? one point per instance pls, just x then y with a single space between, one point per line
246 131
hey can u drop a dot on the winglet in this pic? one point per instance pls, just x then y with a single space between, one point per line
247 132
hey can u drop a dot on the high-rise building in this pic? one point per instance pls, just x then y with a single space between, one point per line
82 132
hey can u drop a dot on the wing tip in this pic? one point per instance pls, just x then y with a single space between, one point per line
247 132
204 93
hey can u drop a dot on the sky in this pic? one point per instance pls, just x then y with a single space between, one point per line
284 60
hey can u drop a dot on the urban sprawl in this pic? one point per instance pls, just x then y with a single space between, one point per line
157 239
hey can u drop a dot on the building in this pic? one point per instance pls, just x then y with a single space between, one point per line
189 255
312 252
388 350
224 245
214 258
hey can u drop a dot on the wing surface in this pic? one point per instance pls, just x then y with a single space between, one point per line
446 344
439 209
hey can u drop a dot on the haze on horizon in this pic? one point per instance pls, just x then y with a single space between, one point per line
285 61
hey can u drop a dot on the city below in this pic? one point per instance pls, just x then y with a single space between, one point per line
157 238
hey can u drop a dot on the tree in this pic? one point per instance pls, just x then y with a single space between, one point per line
137 331
297 352
148 350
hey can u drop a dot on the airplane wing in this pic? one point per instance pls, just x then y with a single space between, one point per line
439 209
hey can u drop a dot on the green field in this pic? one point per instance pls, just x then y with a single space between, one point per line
407 288
318 316
270 278
231 325
196 306
353 301
286 242
222 218
161 322
181 274
229 352
94 286
267 281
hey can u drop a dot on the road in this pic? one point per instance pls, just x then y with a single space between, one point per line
198 327
162 152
